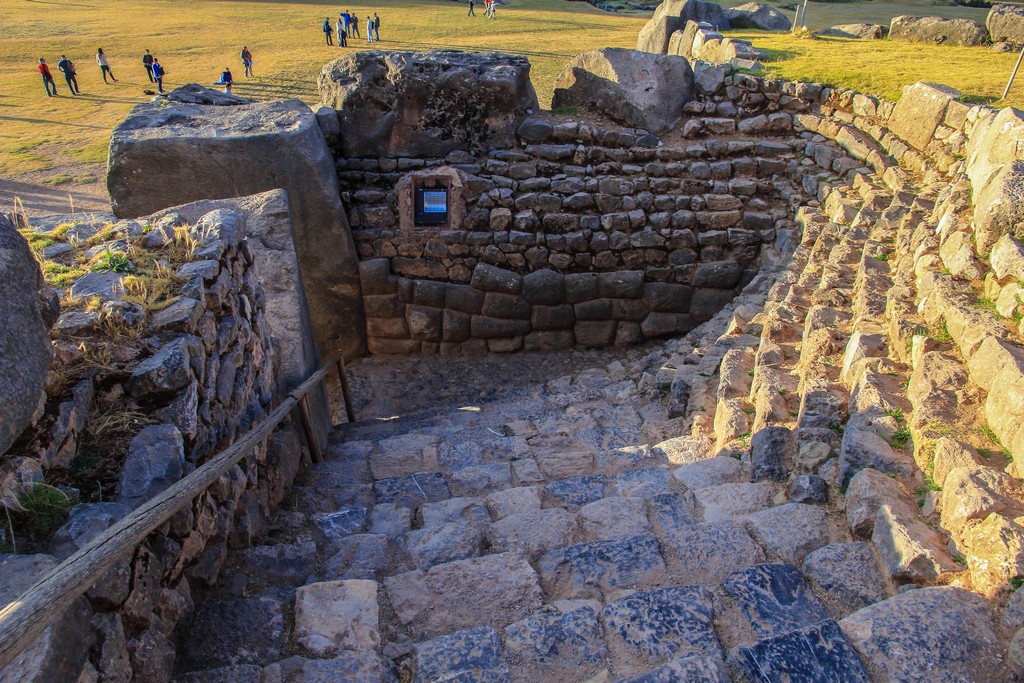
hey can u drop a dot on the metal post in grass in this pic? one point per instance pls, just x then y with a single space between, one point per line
1014 74
803 16
796 19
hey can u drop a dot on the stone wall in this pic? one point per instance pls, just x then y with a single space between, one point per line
200 368
587 234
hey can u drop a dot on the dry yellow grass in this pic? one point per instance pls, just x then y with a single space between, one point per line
196 39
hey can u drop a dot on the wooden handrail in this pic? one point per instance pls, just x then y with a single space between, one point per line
27 617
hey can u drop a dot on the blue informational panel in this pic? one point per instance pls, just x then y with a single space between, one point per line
431 207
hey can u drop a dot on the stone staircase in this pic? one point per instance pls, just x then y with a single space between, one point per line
754 501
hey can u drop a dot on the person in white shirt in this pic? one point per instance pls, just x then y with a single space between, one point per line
101 59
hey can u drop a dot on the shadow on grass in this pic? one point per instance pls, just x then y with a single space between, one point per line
405 44
52 123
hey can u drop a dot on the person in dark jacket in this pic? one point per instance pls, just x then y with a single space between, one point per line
328 30
247 61
48 81
376 27
147 61
226 80
67 67
353 24
158 74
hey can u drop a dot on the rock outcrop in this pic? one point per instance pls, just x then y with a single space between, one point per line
628 86
162 156
937 30
1005 23
699 40
757 16
671 16
860 31
27 312
426 103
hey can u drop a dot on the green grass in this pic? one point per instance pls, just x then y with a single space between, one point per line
196 39
43 509
895 413
900 438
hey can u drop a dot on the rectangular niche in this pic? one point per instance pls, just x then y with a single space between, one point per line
431 200
431 207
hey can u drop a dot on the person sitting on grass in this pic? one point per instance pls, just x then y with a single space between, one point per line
48 81
226 80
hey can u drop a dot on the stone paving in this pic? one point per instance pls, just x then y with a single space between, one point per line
732 505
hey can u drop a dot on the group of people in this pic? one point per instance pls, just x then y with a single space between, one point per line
490 7
348 25
155 71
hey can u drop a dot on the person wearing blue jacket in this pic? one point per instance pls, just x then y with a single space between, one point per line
158 74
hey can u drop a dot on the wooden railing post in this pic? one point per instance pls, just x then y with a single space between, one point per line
346 393
307 427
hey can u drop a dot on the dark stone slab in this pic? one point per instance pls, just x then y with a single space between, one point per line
464 656
413 490
358 667
557 638
360 556
343 522
664 623
576 492
584 570
771 451
695 668
445 543
776 598
644 483
287 563
808 488
849 572
712 550
230 632
818 653
672 510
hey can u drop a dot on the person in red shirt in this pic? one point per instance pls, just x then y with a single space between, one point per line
48 81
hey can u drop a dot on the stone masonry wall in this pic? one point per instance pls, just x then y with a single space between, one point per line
204 372
542 231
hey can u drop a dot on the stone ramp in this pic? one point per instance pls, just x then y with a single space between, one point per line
750 503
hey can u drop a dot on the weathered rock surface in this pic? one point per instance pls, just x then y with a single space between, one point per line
757 16
156 459
904 639
193 93
426 103
937 30
248 149
25 350
333 616
861 31
630 87
671 16
818 652
920 110
1005 23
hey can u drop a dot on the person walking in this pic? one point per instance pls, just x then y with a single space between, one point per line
158 75
147 61
369 29
226 80
67 67
48 81
104 64
376 27
247 61
471 12
353 23
342 36
328 30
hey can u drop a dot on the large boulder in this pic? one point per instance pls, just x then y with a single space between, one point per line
193 93
702 41
995 165
633 88
937 30
426 103
860 31
671 16
1005 23
757 16
164 155
920 110
27 311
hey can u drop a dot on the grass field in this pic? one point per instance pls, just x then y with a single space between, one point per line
61 142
